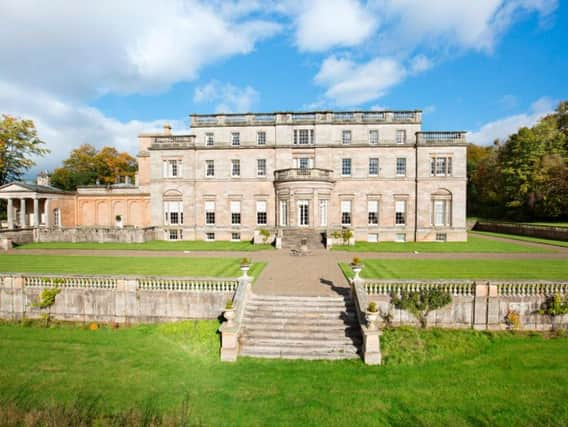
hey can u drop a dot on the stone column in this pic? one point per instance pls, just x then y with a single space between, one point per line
47 208
10 214
23 213
36 212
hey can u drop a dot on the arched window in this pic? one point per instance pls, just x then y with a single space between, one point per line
441 208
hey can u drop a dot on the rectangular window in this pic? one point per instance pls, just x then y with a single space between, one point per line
346 212
174 235
209 139
400 237
373 238
400 212
346 137
323 213
210 167
210 213
303 136
235 213
303 163
346 167
57 217
210 236
373 166
440 215
261 216
373 212
235 168
441 166
172 168
173 213
236 237
373 136
441 237
261 138
401 166
283 213
235 138
261 167
400 136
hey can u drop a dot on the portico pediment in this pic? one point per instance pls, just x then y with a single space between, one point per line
15 187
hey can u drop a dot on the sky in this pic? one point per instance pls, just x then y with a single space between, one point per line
102 72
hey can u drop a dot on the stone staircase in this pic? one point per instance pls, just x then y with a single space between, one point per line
300 328
292 238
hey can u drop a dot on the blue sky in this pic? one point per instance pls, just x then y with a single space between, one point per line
104 71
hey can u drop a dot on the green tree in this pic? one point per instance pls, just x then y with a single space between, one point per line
421 303
19 143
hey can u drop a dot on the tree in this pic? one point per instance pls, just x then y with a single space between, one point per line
421 303
19 143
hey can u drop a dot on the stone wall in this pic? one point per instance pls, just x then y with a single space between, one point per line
95 234
116 299
540 231
18 237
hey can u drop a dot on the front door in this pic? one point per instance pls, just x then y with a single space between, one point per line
303 213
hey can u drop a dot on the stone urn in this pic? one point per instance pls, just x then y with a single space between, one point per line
245 268
371 317
229 315
356 270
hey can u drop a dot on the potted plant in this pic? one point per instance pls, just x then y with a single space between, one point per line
372 315
245 266
356 266
229 313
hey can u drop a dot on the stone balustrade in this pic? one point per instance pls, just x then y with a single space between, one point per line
389 287
440 137
303 174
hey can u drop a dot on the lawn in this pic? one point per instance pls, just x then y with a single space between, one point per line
154 245
154 266
524 238
474 244
536 269
133 375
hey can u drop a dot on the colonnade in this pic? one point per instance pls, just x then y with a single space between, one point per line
22 219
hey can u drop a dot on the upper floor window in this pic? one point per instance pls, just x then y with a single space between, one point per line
235 168
373 136
400 136
261 216
373 166
210 213
346 137
261 138
441 166
346 167
261 167
209 139
172 168
210 168
303 136
235 138
303 162
401 166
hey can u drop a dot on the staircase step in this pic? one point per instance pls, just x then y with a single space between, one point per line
293 353
304 336
309 316
298 308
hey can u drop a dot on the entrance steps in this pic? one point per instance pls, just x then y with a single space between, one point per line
300 328
292 238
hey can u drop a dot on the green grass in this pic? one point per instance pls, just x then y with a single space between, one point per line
155 266
535 269
474 244
154 245
432 377
550 224
524 238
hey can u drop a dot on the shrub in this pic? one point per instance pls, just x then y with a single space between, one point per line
421 303
346 234
336 235
265 235
356 261
245 261
554 305
513 320
372 307
45 302
229 305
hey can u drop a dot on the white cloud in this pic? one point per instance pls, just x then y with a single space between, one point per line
502 128
228 98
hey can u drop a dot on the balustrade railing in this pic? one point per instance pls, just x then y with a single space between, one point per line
69 282
302 174
523 288
388 287
187 285
439 137
182 140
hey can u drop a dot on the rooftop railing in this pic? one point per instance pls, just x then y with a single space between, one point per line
180 140
303 174
440 137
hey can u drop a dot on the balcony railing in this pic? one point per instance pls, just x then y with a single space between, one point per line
440 137
303 174
404 116
174 140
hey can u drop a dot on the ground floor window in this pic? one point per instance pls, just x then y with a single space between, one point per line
236 237
323 213
440 212
174 234
400 237
441 237
400 212
210 236
373 238
346 212
57 217
235 213
261 217
373 212
210 213
173 212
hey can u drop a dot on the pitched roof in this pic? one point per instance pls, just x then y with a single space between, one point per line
35 188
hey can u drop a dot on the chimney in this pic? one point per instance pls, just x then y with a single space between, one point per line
43 179
167 129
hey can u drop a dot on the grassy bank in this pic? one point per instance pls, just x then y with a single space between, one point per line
524 238
155 245
433 377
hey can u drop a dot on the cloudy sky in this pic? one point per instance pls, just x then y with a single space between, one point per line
100 72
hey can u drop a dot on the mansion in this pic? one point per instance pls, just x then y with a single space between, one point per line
373 172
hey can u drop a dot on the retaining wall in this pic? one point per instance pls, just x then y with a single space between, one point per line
540 231
95 234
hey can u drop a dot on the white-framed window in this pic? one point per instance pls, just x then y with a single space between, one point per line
209 167
174 234
235 167
283 207
441 237
346 212
346 167
441 166
57 217
210 213
261 137
261 167
209 139
346 137
400 237
235 212
400 212
374 166
303 136
304 162
373 212
172 168
401 166
373 237
374 136
440 212
261 217
400 136
235 138
236 237
323 212
173 212
210 236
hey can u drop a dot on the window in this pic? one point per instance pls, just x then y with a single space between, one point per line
346 167
235 237
283 213
173 213
346 212
373 212
235 138
373 238
373 166
261 167
209 139
373 136
172 168
323 213
440 211
210 213
261 213
303 136
400 212
210 236
303 163
210 167
57 217
400 136
400 237
440 166
174 234
235 168
261 138
346 137
401 166
235 213
441 237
